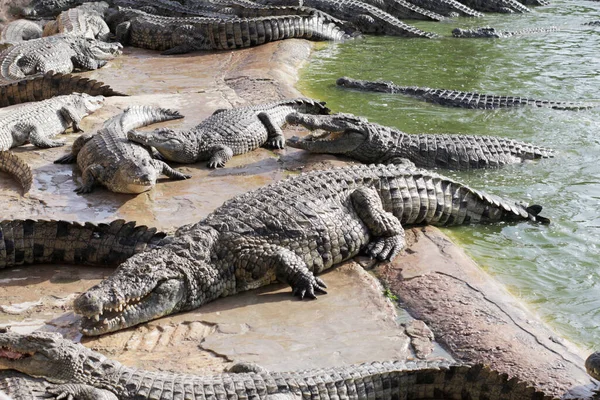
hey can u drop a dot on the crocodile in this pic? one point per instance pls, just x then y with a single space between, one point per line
81 21
448 8
455 98
171 8
592 365
228 132
489 32
497 6
39 9
71 369
20 30
49 85
59 53
288 231
108 158
38 122
368 142
176 35
13 165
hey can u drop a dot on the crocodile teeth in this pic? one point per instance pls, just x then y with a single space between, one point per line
97 317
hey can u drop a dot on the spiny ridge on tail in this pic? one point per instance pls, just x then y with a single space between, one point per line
105 244
13 165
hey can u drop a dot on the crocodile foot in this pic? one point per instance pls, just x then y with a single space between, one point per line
307 285
386 248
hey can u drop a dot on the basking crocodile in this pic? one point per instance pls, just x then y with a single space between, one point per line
228 132
21 30
13 165
499 6
455 98
49 85
48 8
73 369
175 35
171 8
448 8
38 122
81 21
368 142
286 231
59 53
489 32
108 158
29 241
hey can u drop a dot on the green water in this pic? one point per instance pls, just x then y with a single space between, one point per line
553 268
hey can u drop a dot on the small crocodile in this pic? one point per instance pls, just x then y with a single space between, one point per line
228 132
29 241
455 98
49 85
13 165
59 53
108 158
373 143
21 30
38 122
176 35
81 21
489 32
287 231
66 369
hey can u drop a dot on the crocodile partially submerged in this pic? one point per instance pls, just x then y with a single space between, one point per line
20 30
228 132
38 122
14 166
368 142
287 231
59 53
176 35
49 85
81 21
107 158
489 32
72 369
455 98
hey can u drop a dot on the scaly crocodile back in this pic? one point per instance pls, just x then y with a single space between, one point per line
79 21
20 30
51 84
25 242
13 165
447 7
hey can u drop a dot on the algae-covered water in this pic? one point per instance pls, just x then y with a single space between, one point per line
555 268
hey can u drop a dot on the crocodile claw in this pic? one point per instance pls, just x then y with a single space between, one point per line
385 248
277 143
307 286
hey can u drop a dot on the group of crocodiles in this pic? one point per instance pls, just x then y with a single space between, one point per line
288 231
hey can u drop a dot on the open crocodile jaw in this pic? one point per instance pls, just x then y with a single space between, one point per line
164 299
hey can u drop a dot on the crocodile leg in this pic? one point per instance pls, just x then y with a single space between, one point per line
71 116
87 63
38 139
77 145
168 171
383 225
275 137
81 392
89 176
220 154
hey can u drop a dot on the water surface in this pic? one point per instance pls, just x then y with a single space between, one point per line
552 268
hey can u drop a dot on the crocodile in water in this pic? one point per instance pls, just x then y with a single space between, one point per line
72 369
49 85
80 21
287 231
13 165
59 53
108 158
455 98
228 132
38 122
489 32
355 137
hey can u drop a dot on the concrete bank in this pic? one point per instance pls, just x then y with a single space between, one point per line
469 313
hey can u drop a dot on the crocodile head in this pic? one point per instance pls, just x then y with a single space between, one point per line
47 355
134 176
150 285
344 134
177 146
88 103
481 32
99 50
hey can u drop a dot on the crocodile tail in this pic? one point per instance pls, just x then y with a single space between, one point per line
511 210
9 68
138 116
13 165
28 241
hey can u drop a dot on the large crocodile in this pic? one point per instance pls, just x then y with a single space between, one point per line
455 98
287 231
48 8
489 32
228 132
81 21
106 157
49 85
368 142
38 122
174 35
71 369
59 53
13 165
